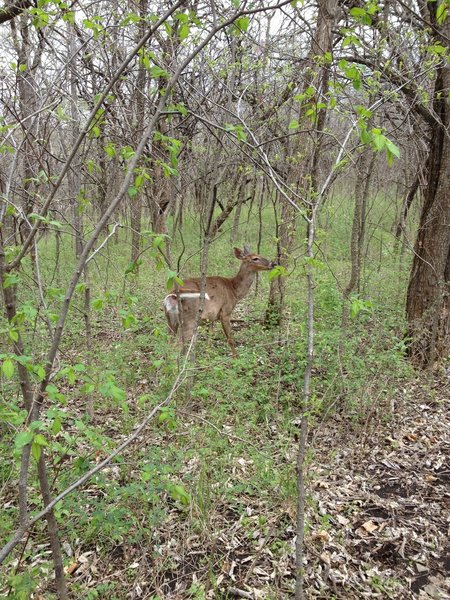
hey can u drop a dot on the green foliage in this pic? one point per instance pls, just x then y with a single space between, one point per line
172 278
229 443
442 11
22 585
379 142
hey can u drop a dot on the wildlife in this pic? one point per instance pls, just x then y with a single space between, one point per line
221 294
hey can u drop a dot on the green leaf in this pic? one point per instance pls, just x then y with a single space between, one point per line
184 31
54 394
278 271
179 494
111 390
40 18
391 147
156 71
133 266
242 23
69 16
361 15
358 12
97 303
128 319
365 136
40 440
110 149
240 133
172 277
23 438
378 139
39 371
359 305
8 368
314 262
56 426
441 12
10 279
36 451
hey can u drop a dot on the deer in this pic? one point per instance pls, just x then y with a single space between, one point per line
221 294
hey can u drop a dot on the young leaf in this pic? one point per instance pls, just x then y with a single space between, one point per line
242 23
36 451
184 31
156 71
278 271
23 438
8 368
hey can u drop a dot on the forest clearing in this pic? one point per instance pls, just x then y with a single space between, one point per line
225 300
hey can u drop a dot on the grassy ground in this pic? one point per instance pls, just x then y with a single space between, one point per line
204 503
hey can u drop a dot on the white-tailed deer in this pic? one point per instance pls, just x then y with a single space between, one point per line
221 296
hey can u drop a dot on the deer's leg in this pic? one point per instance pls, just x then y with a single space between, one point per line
187 324
225 320
171 312
173 323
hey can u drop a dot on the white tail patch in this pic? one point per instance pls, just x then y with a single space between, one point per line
192 295
171 303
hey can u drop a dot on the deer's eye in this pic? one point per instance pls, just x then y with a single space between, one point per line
255 259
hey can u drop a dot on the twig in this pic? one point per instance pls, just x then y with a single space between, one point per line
240 593
105 241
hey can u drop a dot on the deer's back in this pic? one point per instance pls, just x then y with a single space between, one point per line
220 292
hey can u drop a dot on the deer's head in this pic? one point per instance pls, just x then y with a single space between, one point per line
254 262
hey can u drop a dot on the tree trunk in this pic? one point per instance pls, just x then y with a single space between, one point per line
139 104
428 296
358 229
304 176
400 227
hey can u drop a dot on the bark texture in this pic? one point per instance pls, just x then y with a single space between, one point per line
428 297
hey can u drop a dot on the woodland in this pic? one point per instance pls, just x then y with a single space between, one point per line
302 449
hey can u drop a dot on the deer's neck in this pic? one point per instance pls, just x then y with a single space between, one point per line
242 282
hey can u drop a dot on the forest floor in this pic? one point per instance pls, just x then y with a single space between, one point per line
388 496
378 516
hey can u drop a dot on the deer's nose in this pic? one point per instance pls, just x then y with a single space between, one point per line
273 264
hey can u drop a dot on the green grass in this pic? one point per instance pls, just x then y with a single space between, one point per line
230 446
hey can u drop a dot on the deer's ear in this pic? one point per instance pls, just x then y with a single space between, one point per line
239 254
247 250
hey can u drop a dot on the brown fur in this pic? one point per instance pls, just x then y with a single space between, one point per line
222 293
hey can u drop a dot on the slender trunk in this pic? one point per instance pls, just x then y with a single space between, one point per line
286 232
237 218
139 106
305 175
358 230
235 200
32 409
301 493
400 227
74 188
52 528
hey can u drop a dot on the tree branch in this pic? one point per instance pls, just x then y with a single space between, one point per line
14 10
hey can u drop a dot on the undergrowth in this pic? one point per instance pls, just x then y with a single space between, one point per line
227 449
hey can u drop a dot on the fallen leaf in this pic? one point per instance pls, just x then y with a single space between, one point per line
322 535
72 568
370 526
